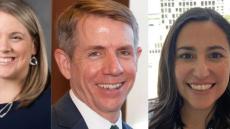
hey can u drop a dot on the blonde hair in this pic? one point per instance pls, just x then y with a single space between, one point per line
37 76
69 19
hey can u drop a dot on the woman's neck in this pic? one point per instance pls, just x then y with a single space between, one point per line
9 90
196 118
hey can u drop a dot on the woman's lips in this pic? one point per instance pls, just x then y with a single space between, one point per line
6 60
201 87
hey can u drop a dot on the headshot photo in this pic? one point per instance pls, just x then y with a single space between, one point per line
24 76
97 54
194 69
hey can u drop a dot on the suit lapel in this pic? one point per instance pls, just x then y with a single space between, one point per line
125 126
68 115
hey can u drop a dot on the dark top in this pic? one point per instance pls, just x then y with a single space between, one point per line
211 124
65 115
35 116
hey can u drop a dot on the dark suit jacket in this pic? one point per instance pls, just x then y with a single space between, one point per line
65 115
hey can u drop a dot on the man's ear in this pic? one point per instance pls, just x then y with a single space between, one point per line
139 50
63 62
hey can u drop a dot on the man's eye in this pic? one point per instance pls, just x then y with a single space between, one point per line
94 54
215 55
125 53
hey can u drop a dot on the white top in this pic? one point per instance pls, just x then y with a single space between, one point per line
92 119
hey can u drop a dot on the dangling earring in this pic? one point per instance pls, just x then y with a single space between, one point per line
33 60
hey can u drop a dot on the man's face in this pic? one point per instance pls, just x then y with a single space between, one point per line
103 66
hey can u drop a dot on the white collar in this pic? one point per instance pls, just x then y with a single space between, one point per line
93 120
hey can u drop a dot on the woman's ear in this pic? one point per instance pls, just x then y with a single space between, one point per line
34 48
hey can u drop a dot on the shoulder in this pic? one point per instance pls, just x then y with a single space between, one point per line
43 102
126 126
45 97
37 113
151 104
41 105
66 115
63 105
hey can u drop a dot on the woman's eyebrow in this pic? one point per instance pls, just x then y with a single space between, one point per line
216 47
185 48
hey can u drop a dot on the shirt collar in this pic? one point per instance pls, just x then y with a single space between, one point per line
93 120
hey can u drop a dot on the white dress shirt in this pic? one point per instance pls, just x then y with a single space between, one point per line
93 120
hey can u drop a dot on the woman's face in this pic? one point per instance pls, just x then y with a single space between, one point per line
16 48
202 65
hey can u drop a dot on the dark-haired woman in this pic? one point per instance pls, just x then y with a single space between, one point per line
193 83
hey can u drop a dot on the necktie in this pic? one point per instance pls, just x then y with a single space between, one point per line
114 127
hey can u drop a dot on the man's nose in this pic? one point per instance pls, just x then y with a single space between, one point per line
112 65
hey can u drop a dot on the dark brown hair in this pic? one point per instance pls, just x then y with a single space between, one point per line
166 108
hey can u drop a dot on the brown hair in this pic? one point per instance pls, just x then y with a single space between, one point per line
69 19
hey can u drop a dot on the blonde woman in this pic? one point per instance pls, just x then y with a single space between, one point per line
24 83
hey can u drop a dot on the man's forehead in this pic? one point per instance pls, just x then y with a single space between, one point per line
106 47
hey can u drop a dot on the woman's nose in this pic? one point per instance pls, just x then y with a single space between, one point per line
4 45
201 69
